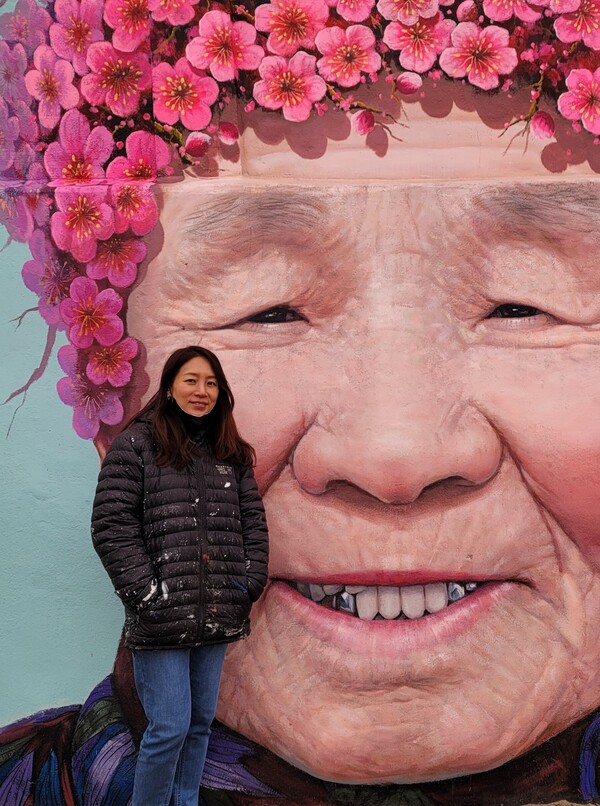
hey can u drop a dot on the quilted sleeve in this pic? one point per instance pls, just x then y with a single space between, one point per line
254 532
117 525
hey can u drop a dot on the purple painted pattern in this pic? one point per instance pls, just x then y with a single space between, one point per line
17 786
105 766
224 767
101 691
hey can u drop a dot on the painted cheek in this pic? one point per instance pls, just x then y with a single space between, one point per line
557 447
550 422
269 409
565 482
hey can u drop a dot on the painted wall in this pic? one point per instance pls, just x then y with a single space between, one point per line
61 621
407 307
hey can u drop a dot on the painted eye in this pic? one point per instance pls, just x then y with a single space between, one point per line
511 310
278 315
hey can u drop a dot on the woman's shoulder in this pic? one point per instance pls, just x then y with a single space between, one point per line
138 434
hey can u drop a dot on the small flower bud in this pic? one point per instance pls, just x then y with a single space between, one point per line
363 122
228 134
542 125
197 144
467 11
409 83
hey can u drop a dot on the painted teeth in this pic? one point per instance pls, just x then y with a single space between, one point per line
388 602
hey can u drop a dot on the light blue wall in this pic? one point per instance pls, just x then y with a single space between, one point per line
60 621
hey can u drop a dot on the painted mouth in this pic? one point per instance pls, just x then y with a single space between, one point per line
387 602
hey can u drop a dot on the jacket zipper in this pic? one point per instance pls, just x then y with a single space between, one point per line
201 512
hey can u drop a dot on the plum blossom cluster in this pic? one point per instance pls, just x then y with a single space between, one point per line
100 99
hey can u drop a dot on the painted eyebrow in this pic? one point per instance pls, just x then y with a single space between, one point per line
227 230
555 214
263 213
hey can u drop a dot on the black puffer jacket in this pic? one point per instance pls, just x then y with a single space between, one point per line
186 550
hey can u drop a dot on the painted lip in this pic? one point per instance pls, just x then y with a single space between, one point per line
391 638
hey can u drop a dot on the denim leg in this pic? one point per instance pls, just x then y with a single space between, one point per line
205 675
162 680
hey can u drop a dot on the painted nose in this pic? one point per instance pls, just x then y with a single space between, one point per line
415 431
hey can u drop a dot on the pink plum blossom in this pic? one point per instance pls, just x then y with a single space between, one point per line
27 24
92 404
175 12
24 158
291 24
91 315
131 22
13 64
419 44
28 129
48 276
9 131
583 24
502 10
117 259
147 154
407 11
134 206
290 85
183 93
363 122
78 25
224 47
14 213
347 54
542 125
23 200
111 364
51 83
409 83
37 198
78 155
480 54
22 205
559 6
83 217
354 10
582 101
117 79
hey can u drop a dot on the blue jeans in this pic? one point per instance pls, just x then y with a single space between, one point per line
178 689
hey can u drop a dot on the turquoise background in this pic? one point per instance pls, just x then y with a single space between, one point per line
60 620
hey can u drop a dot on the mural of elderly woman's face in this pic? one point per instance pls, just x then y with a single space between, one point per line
418 366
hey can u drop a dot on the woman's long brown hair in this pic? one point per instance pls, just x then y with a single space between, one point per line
168 429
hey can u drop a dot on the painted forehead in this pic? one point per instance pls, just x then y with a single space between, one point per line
231 212
221 250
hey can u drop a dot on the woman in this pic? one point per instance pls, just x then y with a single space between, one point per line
179 525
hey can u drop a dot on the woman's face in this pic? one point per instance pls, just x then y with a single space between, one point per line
195 388
418 367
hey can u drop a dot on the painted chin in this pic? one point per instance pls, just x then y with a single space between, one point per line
369 678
